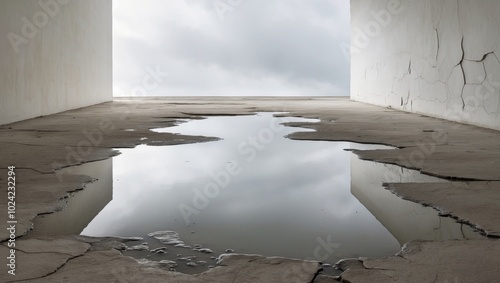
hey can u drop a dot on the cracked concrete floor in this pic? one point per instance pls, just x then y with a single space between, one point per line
468 155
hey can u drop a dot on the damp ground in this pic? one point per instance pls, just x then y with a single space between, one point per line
254 191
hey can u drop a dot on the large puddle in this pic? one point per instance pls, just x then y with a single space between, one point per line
252 192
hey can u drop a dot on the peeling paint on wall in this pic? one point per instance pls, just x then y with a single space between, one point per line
435 57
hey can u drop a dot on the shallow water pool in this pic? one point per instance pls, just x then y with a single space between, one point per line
254 192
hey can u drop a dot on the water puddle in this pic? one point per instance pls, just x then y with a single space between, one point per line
252 192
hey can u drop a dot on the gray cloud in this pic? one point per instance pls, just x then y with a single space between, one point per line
279 47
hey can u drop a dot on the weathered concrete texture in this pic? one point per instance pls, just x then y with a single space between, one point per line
38 194
440 58
91 260
37 258
482 205
405 220
56 56
450 261
248 268
37 147
433 146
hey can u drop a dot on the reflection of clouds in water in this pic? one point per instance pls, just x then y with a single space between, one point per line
293 191
236 127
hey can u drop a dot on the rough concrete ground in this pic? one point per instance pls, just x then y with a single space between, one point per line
467 154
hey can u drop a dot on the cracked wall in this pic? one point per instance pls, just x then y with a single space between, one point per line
435 57
56 55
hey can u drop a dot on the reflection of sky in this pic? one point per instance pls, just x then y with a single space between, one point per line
292 193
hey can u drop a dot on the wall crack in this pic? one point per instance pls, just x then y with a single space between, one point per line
438 47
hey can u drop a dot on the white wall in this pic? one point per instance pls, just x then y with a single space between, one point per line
53 57
435 57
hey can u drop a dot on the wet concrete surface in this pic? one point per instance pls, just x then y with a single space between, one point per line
469 155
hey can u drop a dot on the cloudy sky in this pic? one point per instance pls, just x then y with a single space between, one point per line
231 47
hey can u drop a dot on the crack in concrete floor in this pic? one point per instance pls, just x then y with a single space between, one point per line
462 152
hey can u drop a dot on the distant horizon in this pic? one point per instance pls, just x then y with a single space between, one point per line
235 96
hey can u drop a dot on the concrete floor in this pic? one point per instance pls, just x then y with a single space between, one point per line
469 155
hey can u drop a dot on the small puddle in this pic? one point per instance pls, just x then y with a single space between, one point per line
252 192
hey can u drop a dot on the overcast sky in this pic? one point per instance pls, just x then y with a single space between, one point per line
231 47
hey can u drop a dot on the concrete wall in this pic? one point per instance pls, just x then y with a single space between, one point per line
55 55
436 57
